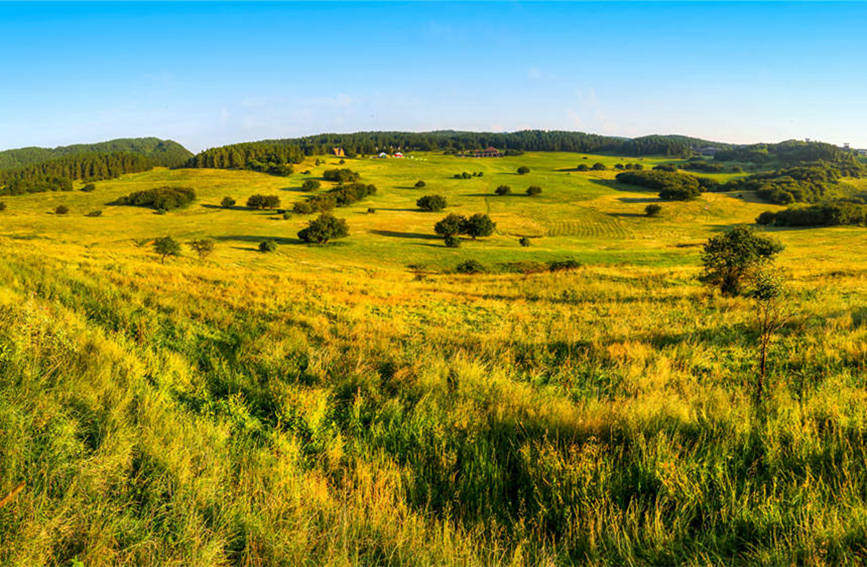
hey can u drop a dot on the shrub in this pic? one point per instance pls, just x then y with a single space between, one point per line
61 210
523 170
563 265
323 229
227 202
452 241
267 246
202 246
450 225
167 246
470 267
370 210
161 211
767 217
263 202
728 258
96 213
2 206
619 166
652 210
419 184
310 185
582 167
89 188
478 225
524 241
287 215
432 203
464 175
503 190
533 190
599 166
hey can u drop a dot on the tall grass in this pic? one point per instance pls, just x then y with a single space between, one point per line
189 414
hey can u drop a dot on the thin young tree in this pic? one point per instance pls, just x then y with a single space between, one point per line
771 311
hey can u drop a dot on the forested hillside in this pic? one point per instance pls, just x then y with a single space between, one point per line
262 155
166 153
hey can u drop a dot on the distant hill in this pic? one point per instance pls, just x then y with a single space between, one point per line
166 153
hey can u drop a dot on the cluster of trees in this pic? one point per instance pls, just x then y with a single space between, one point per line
798 184
475 226
342 175
622 166
20 186
259 202
324 228
468 175
432 203
310 185
160 198
503 190
789 152
672 186
44 176
826 214
340 196
166 153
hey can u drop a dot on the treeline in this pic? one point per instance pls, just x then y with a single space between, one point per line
826 214
788 152
293 150
57 174
799 184
166 153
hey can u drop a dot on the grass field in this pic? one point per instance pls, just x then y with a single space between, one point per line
329 406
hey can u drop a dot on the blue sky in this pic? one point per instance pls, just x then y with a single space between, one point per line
209 74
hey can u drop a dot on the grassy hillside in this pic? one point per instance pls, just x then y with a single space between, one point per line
326 405
166 153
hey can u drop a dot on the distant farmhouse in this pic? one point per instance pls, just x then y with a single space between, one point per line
487 152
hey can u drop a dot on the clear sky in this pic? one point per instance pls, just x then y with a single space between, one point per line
209 74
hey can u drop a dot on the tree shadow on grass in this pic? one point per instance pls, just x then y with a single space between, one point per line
411 235
617 186
257 239
639 199
633 215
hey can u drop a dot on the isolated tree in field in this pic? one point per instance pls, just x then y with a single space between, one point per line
582 167
652 210
167 246
227 202
524 241
267 246
533 190
61 210
599 166
310 185
419 184
523 170
323 229
730 257
503 190
478 225
202 246
431 203
450 225
768 294
2 206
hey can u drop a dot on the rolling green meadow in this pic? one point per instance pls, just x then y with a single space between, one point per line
360 403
